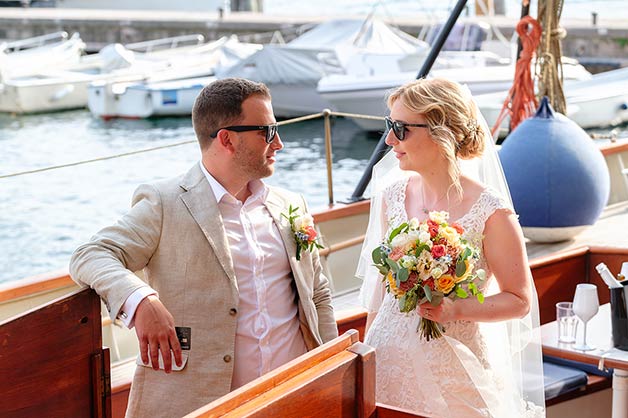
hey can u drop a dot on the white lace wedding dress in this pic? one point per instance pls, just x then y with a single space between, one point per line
450 376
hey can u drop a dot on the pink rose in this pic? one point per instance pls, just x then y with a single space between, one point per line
438 251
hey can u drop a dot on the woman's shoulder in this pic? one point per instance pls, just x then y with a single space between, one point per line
396 185
483 200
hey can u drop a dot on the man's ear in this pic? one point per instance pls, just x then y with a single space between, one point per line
224 138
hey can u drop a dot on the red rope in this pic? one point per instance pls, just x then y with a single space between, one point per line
521 101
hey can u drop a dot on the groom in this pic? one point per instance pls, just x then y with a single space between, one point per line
223 299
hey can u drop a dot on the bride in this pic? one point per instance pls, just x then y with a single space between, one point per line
488 363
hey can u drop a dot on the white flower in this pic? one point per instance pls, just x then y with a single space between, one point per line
413 223
439 217
303 221
401 240
407 261
424 237
413 235
437 272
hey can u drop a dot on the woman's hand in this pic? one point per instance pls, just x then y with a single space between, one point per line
446 311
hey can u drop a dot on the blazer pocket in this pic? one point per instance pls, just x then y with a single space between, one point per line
175 368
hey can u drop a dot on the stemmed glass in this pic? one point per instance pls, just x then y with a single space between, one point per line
585 306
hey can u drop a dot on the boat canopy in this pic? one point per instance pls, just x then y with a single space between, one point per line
329 48
371 35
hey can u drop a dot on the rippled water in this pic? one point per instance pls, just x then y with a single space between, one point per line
44 216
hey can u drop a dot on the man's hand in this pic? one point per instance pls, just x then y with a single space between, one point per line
155 330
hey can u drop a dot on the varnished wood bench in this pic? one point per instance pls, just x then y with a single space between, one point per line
334 380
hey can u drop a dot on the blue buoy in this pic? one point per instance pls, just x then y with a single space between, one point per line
557 176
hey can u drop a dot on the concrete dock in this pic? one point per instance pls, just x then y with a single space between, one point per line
605 42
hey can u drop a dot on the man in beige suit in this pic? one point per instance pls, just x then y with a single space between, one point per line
220 272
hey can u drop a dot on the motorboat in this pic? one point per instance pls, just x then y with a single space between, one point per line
341 46
34 55
169 58
599 102
366 95
170 91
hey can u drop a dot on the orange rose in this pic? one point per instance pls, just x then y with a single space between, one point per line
445 283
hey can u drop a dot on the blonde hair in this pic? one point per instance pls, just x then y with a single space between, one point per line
451 117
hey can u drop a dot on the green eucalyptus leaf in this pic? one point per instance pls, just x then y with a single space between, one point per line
378 255
460 268
393 265
403 274
397 231
428 292
461 293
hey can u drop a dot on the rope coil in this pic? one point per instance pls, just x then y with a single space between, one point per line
521 101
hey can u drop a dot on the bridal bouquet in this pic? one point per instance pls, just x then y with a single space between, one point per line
427 261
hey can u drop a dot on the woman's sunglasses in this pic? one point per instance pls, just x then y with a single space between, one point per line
399 128
271 130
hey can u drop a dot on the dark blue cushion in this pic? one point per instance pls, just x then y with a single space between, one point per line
587 368
560 379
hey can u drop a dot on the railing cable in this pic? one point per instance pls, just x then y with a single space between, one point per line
109 157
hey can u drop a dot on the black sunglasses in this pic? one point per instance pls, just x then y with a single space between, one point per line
271 130
399 128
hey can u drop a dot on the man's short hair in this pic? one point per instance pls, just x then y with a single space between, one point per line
219 104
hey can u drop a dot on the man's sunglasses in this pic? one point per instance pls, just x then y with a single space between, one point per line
399 128
271 130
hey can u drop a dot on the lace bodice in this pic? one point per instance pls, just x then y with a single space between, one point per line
473 221
446 377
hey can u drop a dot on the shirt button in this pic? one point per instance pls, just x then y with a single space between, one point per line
233 311
227 358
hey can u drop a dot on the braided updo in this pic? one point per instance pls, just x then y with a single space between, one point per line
451 115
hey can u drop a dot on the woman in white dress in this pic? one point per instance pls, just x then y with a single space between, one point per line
488 364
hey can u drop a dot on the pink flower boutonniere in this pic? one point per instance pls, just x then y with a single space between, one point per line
303 228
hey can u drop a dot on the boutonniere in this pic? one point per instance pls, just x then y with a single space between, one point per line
303 228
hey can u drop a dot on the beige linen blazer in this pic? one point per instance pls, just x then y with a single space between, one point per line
174 232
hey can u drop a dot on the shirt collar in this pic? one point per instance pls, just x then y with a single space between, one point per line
257 187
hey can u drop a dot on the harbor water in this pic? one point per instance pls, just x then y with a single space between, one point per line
45 216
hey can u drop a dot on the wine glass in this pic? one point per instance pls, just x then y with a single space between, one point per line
585 306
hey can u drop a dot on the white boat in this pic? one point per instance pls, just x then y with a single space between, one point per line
292 70
19 59
54 90
599 102
169 92
366 94
60 89
165 98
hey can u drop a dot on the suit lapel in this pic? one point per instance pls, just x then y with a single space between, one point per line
277 205
201 202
